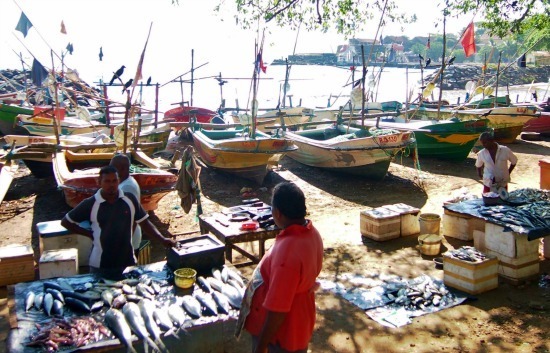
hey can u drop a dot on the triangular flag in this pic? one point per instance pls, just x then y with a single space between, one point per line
100 53
70 48
63 29
140 63
468 41
260 63
24 24
38 73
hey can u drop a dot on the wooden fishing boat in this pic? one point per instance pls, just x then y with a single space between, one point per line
77 173
443 139
507 122
234 152
8 118
540 124
280 117
349 150
43 125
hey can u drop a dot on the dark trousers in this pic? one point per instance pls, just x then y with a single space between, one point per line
275 348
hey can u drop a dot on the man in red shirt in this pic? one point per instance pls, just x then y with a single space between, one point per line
282 314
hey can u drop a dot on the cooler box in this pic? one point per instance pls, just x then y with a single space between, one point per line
409 218
16 264
201 253
58 263
380 224
544 173
53 236
470 277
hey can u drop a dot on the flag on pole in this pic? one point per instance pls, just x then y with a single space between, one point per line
381 40
428 43
63 29
260 63
70 48
140 63
100 53
24 24
468 41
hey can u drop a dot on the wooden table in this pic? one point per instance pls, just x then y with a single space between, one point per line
229 233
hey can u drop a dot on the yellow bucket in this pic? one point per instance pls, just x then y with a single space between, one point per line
429 244
429 223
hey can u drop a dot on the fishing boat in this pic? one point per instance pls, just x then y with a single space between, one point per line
443 139
278 117
237 153
41 125
507 122
358 151
77 173
8 118
540 125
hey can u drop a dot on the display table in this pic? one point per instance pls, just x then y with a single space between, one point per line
229 232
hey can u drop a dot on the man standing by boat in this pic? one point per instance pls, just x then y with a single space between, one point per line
492 163
129 185
112 214
279 303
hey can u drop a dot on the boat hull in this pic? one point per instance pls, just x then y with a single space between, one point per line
8 119
77 186
369 156
240 155
540 124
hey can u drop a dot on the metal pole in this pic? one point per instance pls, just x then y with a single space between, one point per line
192 74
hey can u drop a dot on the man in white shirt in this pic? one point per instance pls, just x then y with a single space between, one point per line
128 184
492 163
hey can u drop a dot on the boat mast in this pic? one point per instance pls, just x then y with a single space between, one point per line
442 67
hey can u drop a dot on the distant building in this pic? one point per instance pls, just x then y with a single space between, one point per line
351 53
538 58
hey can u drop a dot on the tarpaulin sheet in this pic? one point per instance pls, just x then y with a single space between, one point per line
472 208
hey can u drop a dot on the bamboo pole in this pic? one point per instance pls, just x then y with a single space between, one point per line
56 110
442 68
495 104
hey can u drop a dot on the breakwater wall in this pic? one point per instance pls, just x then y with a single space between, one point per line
456 76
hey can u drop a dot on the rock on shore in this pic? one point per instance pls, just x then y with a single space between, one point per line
456 76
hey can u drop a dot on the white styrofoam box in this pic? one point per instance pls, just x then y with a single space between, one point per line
546 247
470 277
409 218
517 267
510 244
380 224
479 240
54 236
455 226
58 263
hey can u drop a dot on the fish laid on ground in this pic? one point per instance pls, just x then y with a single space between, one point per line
234 275
147 309
235 298
165 321
145 291
48 303
57 307
207 302
56 294
38 299
222 301
135 321
116 321
107 297
155 287
86 297
127 289
217 274
76 304
177 314
191 305
132 282
53 285
29 300
217 284
133 298
204 284
237 286
224 274
64 283
119 301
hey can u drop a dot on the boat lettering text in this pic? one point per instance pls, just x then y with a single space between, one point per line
387 139
522 110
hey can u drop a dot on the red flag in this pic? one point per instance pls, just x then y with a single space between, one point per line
140 63
260 63
63 29
428 43
468 42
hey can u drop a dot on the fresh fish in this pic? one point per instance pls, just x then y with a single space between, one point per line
107 297
235 298
135 321
145 280
204 284
224 274
76 304
207 302
145 291
119 301
116 321
64 283
133 298
38 299
147 309
57 307
165 321
48 303
234 275
96 306
56 294
132 282
29 300
216 283
191 305
177 314
237 286
126 289
53 285
110 283
86 297
217 274
155 286
222 302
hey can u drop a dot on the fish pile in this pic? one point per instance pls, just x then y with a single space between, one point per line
143 306
76 332
424 294
530 195
515 216
467 253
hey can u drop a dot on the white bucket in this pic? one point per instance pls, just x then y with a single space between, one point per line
429 223
429 244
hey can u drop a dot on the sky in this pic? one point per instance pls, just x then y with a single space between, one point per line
120 28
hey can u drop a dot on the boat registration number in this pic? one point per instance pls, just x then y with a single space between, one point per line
387 139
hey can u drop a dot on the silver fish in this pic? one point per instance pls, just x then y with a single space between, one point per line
204 284
155 286
64 283
57 307
56 294
147 309
234 275
48 303
206 300
191 305
107 297
29 300
145 291
217 284
222 301
126 289
177 314
237 286
235 298
217 274
38 299
163 319
116 321
224 274
135 321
